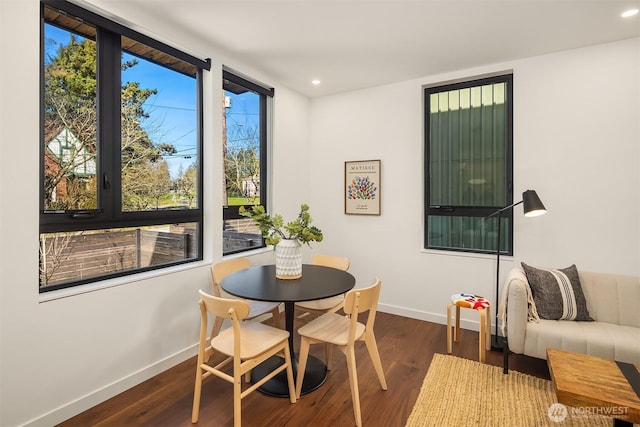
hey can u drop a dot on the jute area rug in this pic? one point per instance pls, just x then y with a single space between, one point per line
461 392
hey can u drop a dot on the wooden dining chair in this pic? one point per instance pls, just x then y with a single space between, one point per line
221 270
309 310
333 329
247 345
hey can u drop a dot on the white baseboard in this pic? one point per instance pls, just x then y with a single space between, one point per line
472 325
90 400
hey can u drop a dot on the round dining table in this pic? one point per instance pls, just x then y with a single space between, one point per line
260 283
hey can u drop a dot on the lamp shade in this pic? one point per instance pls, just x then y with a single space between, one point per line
532 204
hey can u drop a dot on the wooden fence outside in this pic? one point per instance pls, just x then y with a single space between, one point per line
86 255
82 256
240 234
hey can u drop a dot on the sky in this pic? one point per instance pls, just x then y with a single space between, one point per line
172 110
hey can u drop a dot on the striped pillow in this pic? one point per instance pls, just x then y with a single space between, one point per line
557 294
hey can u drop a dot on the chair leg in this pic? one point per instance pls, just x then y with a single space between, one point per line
275 314
353 380
195 412
302 363
456 335
328 349
482 335
372 346
449 343
237 398
292 386
488 329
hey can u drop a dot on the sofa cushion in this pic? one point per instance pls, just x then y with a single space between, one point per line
612 298
557 293
600 339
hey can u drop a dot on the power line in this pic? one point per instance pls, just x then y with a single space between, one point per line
172 108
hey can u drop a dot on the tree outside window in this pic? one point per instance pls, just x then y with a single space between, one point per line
121 137
245 159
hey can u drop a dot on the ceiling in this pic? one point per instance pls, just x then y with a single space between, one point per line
354 44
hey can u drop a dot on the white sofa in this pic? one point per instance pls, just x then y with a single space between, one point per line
613 301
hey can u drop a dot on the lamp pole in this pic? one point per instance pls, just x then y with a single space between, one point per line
532 207
496 343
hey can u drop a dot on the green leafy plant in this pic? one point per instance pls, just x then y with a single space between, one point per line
273 228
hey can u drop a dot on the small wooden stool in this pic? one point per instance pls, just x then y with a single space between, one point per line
483 307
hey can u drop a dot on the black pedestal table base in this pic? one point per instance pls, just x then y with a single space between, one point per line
315 374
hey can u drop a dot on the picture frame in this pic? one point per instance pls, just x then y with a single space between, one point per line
362 187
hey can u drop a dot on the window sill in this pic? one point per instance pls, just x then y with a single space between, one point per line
249 252
119 281
465 254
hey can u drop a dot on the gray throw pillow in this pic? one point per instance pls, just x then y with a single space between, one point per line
557 293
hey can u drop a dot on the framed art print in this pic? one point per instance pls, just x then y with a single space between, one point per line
362 187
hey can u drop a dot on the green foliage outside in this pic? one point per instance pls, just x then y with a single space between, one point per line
70 103
241 151
239 201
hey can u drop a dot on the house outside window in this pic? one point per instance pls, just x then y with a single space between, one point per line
469 164
245 125
121 131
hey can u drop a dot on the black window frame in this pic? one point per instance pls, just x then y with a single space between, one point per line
481 212
233 78
109 213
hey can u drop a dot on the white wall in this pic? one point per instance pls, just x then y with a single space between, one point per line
576 139
62 356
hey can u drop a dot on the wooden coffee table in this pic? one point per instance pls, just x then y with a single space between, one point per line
595 384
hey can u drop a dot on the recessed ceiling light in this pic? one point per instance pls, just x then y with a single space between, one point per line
629 13
315 82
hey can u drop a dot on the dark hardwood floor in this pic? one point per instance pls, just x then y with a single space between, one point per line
406 349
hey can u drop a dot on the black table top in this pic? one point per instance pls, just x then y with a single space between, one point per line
260 283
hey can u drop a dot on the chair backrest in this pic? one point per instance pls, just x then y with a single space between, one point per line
222 269
360 300
234 309
339 262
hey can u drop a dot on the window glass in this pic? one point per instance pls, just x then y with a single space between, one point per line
69 121
242 148
244 151
90 254
467 146
159 148
468 158
121 139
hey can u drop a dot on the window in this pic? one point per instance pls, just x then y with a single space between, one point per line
245 159
468 164
120 156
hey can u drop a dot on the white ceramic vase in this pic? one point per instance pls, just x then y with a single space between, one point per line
288 259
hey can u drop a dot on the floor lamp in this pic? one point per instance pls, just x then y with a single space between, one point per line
532 206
